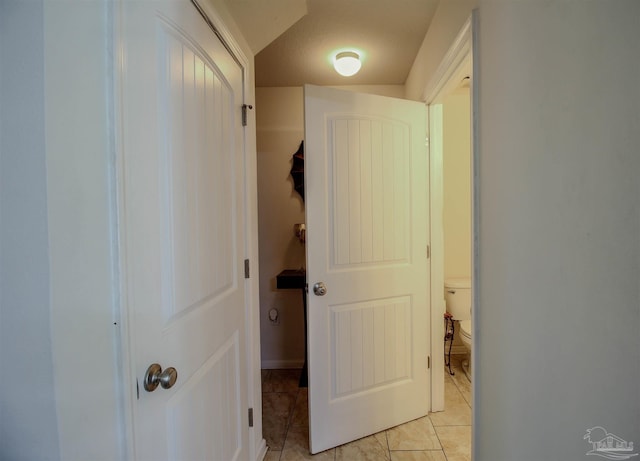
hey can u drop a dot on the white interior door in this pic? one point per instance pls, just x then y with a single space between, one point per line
366 183
183 220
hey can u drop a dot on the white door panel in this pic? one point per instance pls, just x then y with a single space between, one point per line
366 181
184 232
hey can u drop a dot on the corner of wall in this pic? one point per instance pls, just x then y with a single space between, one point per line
449 18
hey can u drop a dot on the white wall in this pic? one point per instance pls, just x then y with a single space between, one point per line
456 218
558 300
84 324
28 420
57 317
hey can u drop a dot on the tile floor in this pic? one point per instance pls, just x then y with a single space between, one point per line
442 436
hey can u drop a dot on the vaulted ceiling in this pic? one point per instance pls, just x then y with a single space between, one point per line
295 40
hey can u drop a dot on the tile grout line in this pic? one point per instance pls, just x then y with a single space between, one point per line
289 419
386 437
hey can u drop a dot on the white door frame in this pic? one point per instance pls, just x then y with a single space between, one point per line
456 64
127 380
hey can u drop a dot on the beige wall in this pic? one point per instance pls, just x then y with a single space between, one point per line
280 128
457 184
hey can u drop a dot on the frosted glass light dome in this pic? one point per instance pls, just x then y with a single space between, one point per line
347 63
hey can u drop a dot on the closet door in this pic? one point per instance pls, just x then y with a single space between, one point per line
183 234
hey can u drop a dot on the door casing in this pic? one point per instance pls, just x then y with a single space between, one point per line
456 64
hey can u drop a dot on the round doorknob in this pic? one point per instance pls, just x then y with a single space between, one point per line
168 377
319 289
155 376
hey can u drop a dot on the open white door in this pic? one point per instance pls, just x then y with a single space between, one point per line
366 185
182 215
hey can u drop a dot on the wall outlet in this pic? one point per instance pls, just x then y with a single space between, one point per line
274 316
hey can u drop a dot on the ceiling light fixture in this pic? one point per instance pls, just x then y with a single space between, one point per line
347 63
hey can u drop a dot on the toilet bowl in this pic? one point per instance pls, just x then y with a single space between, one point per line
457 294
465 333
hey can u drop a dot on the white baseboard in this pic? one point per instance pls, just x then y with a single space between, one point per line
262 450
276 364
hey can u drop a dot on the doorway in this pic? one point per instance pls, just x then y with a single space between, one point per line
268 130
456 218
446 419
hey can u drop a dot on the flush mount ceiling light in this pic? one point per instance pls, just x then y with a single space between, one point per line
347 63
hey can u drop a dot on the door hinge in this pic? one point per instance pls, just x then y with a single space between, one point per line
246 269
428 251
428 362
244 113
250 417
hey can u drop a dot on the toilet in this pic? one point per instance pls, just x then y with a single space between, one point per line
457 295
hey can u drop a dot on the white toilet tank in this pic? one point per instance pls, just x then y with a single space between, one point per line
457 294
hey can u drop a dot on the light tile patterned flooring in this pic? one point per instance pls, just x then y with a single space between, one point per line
442 436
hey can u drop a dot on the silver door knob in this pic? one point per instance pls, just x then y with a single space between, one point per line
319 289
155 376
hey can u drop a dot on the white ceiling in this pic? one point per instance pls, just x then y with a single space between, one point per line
387 32
262 21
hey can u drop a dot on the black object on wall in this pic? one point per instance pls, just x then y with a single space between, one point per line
297 170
